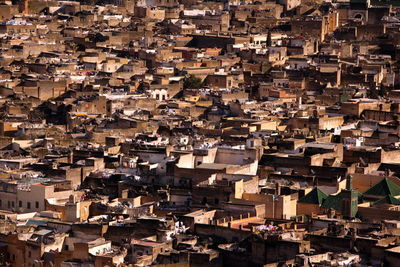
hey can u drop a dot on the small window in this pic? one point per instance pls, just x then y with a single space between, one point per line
29 253
37 204
20 204
28 205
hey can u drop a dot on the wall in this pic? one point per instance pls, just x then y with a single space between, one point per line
377 215
308 209
38 194
330 123
230 234
235 156
282 208
331 243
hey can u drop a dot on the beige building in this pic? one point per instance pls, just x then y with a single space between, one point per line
29 197
276 206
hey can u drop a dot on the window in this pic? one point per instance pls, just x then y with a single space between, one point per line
37 204
8 204
20 204
12 204
28 205
1 204
29 253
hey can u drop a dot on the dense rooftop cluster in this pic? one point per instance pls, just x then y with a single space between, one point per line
199 133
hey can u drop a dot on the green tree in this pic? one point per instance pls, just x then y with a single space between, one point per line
192 82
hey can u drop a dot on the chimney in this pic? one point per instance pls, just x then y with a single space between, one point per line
277 189
70 157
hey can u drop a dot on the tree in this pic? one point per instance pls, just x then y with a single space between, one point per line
192 82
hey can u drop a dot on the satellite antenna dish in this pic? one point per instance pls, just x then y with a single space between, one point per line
362 162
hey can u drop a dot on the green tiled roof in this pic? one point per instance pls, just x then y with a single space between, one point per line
389 199
384 3
377 2
383 188
333 201
315 196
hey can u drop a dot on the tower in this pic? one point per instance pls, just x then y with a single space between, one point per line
349 200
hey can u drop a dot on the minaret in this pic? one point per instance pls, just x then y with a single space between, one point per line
349 200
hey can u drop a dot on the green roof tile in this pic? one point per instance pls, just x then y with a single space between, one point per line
384 3
389 199
383 188
315 196
333 201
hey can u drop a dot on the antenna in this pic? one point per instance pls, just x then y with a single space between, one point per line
362 162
